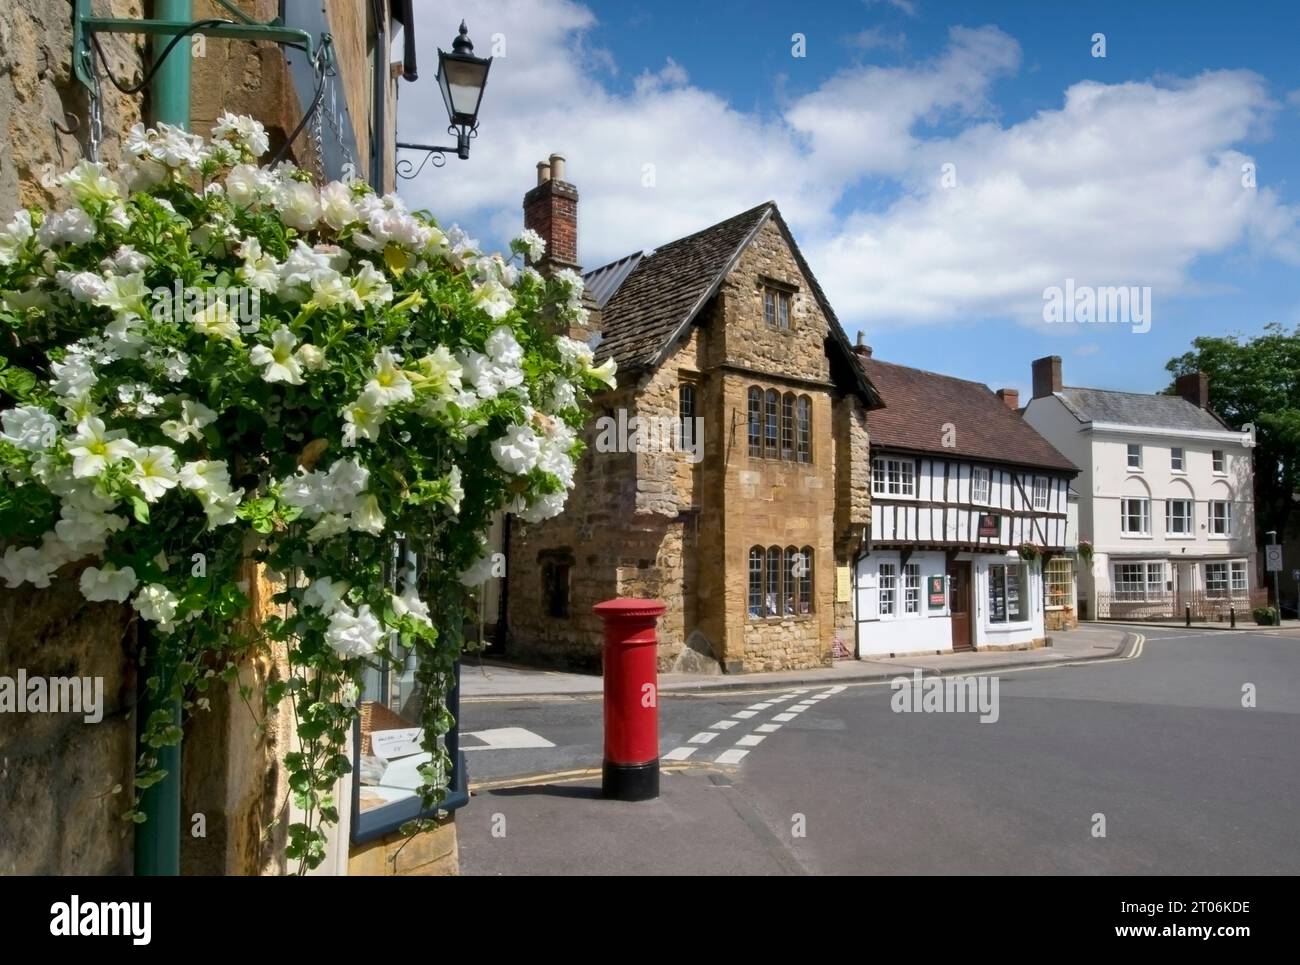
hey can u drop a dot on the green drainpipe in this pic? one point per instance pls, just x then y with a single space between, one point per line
158 839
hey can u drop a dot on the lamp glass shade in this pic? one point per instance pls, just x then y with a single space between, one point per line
462 79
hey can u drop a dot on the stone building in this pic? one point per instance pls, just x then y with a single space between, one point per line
726 476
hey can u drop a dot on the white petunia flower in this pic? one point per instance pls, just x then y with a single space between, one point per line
15 235
278 361
299 205
494 298
310 357
325 593
329 288
110 583
390 384
363 417
216 321
337 206
94 448
371 286
530 243
155 471
205 477
194 416
157 604
29 427
518 450
354 633
84 286
88 183
72 225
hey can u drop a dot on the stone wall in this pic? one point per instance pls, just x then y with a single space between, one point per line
65 782
38 91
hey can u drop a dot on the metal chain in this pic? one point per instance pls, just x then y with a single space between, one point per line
96 114
317 142
349 164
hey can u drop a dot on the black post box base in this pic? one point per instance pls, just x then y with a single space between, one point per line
630 782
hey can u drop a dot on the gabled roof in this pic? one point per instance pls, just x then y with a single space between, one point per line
925 409
1137 409
649 300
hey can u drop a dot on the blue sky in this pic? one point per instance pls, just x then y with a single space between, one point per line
1115 171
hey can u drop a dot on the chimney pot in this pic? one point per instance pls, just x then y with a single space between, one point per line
1010 398
557 167
543 172
1047 376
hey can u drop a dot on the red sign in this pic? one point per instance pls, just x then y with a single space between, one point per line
990 525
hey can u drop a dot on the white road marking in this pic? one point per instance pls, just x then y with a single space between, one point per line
724 724
750 740
758 706
744 714
679 754
785 717
837 690
767 728
507 738
799 708
703 737
732 756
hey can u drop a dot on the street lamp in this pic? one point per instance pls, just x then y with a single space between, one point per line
462 78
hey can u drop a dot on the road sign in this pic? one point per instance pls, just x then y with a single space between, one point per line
1273 558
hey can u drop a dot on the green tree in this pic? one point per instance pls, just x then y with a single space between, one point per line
1256 381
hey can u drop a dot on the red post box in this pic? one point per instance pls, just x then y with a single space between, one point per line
631 768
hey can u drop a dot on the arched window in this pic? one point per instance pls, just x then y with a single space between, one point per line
805 597
772 405
772 603
756 582
787 426
755 421
803 428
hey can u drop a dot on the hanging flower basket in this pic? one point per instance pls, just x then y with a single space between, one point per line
1029 551
1085 551
207 361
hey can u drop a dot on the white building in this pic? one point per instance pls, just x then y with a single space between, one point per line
968 503
1165 497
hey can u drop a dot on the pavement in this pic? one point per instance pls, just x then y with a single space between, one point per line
1138 753
491 679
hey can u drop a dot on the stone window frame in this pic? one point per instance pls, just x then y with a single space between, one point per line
775 590
555 568
776 295
803 429
754 421
779 425
687 392
771 424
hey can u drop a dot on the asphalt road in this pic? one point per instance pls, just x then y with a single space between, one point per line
1127 766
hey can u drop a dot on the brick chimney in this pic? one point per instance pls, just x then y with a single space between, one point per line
1195 388
862 349
1047 376
551 209
1010 398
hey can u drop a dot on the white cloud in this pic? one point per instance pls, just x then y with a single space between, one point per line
1120 184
